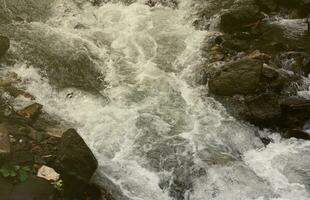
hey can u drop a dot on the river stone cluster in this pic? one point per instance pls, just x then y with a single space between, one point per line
256 63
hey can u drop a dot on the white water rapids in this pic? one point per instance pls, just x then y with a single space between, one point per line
154 131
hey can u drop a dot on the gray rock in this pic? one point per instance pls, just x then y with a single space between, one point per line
237 77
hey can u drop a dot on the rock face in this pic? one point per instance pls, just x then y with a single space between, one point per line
4 45
75 162
237 77
74 157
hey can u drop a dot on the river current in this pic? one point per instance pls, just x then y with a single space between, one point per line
154 130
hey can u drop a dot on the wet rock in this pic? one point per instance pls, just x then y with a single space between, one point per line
74 157
4 45
296 133
240 17
264 109
33 188
31 111
22 158
295 111
298 62
5 147
237 77
75 162
289 34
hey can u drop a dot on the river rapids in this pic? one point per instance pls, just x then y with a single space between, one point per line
154 130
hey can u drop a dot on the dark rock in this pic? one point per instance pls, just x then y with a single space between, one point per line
237 77
22 158
264 109
5 147
295 111
4 45
6 188
75 163
33 188
74 157
240 18
295 133
282 35
266 140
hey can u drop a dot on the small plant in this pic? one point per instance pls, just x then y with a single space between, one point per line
58 185
16 171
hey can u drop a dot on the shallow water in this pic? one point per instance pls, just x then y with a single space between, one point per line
156 134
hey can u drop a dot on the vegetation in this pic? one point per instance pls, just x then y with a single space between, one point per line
17 172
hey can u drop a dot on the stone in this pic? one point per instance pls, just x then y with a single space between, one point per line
34 188
296 133
237 77
74 157
22 158
295 111
264 109
240 17
5 147
75 163
48 173
31 112
4 45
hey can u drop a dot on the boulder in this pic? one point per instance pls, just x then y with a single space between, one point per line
296 133
295 111
74 157
75 163
237 77
4 45
33 188
263 109
240 17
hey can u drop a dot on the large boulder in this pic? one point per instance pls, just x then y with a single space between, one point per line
75 163
74 157
240 17
237 77
263 109
4 45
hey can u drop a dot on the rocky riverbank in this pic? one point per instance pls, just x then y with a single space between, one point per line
257 60
39 159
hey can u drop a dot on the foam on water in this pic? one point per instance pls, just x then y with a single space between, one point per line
158 137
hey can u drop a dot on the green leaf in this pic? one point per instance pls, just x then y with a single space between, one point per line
23 175
25 168
16 167
13 173
5 172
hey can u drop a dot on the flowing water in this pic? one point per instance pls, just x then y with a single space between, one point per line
156 134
